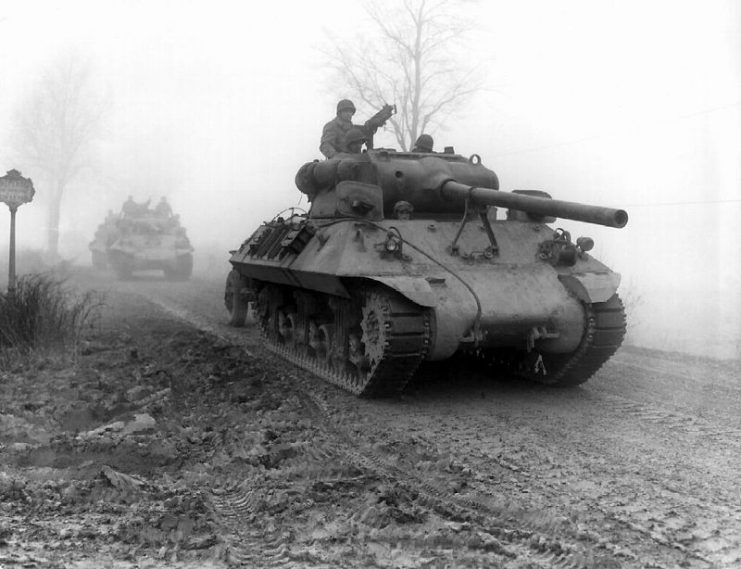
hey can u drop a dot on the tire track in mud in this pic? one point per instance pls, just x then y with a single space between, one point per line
516 533
702 529
229 335
496 516
248 543
521 534
671 419
705 528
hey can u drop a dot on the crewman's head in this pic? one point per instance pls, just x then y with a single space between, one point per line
345 106
403 210
424 143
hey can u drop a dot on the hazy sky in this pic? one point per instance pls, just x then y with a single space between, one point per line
634 104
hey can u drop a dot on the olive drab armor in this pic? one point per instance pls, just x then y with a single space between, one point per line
143 239
405 258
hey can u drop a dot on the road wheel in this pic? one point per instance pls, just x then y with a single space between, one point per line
235 298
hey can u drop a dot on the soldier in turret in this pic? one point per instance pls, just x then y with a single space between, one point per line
403 210
423 144
335 130
163 209
129 207
354 140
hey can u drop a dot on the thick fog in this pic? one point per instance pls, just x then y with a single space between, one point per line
216 104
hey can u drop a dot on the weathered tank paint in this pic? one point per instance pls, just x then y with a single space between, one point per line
482 281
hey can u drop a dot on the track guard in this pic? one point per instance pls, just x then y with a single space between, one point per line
591 287
416 289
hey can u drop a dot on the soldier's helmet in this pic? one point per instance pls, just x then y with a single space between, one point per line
345 105
403 210
424 143
355 135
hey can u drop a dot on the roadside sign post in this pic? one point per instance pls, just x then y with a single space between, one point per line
15 190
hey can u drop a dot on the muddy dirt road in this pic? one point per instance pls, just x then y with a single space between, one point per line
228 456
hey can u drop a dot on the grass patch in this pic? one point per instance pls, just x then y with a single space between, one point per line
42 315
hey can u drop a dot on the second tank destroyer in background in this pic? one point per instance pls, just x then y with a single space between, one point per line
143 239
406 257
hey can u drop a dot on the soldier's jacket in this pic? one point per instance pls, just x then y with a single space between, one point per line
333 135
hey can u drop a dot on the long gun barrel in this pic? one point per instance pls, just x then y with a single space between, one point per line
610 217
431 185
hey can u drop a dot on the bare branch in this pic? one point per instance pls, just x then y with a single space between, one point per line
55 127
416 56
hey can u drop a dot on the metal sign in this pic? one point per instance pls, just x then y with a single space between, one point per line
16 190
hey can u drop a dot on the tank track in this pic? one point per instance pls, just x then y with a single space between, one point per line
605 327
381 339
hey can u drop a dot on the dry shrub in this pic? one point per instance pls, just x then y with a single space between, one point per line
40 314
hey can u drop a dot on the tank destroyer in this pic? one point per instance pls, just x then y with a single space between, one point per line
143 239
407 257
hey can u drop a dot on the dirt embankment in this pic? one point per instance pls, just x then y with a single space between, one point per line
165 445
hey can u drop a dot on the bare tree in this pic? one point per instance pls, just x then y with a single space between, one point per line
415 61
55 129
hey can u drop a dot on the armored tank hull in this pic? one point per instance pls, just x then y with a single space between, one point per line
407 258
143 240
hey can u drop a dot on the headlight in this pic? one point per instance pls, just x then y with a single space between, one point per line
393 243
585 243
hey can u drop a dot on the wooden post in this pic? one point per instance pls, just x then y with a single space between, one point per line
11 257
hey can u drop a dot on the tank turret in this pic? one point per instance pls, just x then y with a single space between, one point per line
404 258
432 185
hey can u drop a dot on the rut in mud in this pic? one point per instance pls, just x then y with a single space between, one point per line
175 440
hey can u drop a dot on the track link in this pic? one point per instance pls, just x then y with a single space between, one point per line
391 338
604 334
